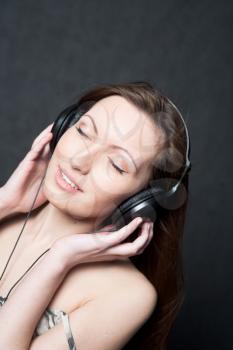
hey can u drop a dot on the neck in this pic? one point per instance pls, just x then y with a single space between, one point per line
49 223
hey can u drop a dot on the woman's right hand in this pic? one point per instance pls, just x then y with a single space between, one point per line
102 245
19 191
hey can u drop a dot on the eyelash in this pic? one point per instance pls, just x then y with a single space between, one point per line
114 165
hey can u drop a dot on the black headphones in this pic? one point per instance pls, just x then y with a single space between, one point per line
145 203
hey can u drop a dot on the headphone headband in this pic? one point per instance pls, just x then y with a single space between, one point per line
188 164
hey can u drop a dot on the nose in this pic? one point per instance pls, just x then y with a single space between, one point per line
83 159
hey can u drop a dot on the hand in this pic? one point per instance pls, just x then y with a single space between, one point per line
103 245
19 191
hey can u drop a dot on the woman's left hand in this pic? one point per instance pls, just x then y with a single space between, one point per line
103 245
19 191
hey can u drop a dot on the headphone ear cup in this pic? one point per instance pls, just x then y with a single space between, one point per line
142 204
146 203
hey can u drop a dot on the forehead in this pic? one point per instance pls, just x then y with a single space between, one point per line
122 123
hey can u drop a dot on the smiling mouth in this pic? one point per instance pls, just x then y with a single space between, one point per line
64 181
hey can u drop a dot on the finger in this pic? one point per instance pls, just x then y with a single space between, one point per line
40 137
42 134
115 237
131 248
46 138
48 128
45 154
150 234
107 227
147 232
37 149
139 244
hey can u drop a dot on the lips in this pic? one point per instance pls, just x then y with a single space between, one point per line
70 177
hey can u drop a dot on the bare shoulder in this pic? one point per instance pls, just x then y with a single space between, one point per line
122 299
119 277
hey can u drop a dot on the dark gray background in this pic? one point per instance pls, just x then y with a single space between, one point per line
52 50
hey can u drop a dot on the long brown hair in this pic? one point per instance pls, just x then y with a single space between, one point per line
161 261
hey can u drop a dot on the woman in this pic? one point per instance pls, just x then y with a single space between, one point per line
110 289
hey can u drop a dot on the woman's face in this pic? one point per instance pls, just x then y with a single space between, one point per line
117 135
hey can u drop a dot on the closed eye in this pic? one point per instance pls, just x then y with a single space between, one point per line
113 164
81 132
116 167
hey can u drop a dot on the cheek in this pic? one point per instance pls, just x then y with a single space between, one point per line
82 207
109 191
106 183
65 149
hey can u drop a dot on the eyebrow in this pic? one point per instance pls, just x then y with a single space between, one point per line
114 146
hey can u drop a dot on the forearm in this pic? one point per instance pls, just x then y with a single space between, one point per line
6 210
23 309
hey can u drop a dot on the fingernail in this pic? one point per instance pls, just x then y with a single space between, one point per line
139 220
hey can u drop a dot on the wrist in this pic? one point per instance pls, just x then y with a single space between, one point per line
6 208
58 259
